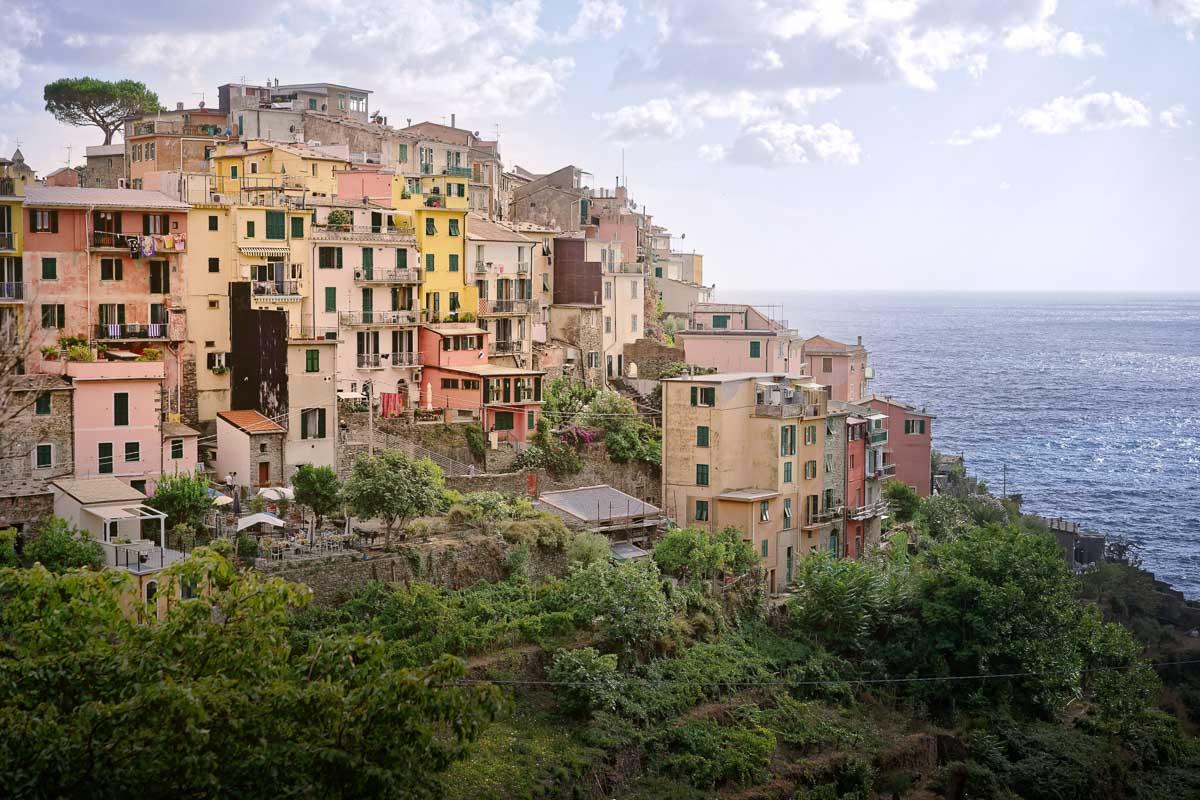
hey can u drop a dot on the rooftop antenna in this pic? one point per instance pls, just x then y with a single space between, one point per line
69 148
623 167
497 127
200 95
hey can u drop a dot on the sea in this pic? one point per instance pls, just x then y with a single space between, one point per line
1088 405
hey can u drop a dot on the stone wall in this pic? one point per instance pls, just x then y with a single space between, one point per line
651 357
25 511
27 429
188 394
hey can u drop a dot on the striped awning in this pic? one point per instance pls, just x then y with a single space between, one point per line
266 252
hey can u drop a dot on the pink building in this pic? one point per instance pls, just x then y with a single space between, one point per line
740 338
180 448
458 378
106 265
910 440
117 420
841 367
366 180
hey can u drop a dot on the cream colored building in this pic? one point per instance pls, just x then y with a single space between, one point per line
501 261
747 450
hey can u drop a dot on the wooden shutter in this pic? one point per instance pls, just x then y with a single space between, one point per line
304 424
320 423
54 220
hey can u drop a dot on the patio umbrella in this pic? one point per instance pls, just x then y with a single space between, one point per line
237 502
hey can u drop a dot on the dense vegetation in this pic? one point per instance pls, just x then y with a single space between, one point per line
961 660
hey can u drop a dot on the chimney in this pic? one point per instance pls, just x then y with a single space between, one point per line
179 106
408 122
860 341
202 104
452 125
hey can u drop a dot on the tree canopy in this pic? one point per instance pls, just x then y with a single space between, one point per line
89 101
318 489
394 488
184 498
58 547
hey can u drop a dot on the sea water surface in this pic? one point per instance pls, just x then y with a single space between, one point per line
1091 400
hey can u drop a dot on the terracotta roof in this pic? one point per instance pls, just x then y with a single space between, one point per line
177 429
822 344
78 196
250 422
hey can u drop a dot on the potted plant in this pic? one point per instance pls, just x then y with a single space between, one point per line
49 352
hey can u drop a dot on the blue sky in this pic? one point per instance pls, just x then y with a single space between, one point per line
878 144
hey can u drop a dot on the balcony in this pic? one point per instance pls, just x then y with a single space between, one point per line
457 172
405 359
136 331
370 361
106 240
783 410
12 291
276 288
822 518
505 306
387 276
426 169
523 268
877 437
8 240
481 267
503 348
306 333
365 318
876 509
403 234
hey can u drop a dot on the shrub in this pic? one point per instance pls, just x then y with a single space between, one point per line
705 753
150 354
699 553
8 548
943 516
476 442
625 601
903 499
339 218
585 681
623 444
545 530
59 547
80 352
588 548
609 411
247 546
837 604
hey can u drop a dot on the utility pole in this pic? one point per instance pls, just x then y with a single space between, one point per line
370 419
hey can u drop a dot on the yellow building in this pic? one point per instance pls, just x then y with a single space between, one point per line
436 207
747 450
260 164
13 178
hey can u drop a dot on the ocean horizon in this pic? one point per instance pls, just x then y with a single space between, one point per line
1089 399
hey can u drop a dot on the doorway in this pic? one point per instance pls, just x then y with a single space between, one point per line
264 473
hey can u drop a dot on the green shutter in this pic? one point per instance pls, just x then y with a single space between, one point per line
297 227
321 423
338 252
312 360
368 260
454 263
695 396
104 452
330 298
303 425
49 269
401 258
177 449
702 436
249 229
275 225
120 408
755 349
45 456
42 406
429 262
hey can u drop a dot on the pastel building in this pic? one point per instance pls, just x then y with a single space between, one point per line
748 450
740 338
841 367
14 177
593 271
182 140
457 377
910 442
866 472
501 261
435 205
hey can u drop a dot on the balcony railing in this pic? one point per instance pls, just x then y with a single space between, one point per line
8 240
276 288
481 266
458 172
877 437
503 348
387 275
369 361
523 267
154 330
505 306
405 359
875 509
787 410
426 169
821 518
439 200
108 240
363 233
306 332
12 291
377 317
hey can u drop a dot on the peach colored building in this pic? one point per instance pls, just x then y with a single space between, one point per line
740 338
841 367
910 441
117 420
866 472
180 448
747 450
457 377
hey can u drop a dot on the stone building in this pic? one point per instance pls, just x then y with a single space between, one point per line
575 343
106 167
35 447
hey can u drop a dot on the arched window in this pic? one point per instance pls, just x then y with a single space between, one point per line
151 591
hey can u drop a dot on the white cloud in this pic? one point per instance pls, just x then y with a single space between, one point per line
1175 117
781 143
597 19
1005 186
712 153
1098 111
22 30
1049 40
978 134
653 119
1183 13
672 118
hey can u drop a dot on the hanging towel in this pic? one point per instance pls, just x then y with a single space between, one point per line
135 246
147 246
389 404
114 331
165 242
155 331
180 239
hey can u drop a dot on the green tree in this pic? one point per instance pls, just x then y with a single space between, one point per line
87 102
588 548
943 516
565 399
215 699
700 553
318 490
59 547
184 498
903 499
611 412
626 602
393 488
8 548
838 603
586 681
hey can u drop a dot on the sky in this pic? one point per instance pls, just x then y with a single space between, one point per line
797 144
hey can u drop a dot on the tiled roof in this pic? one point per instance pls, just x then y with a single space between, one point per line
598 503
250 422
891 401
821 344
78 196
98 490
480 229
454 327
177 429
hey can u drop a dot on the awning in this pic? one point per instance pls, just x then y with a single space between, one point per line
266 252
256 519
278 493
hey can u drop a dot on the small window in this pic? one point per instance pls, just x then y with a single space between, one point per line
702 436
297 227
764 548
826 364
176 449
702 474
249 229
453 264
430 227
755 349
110 269
720 321
49 269
429 262
312 360
133 451
54 315
104 457
787 472
44 456
275 229
120 408
312 423
214 264
329 258
212 222
504 421
233 167
764 512
214 303
704 396
151 591
787 513
454 227
330 298
41 406
701 511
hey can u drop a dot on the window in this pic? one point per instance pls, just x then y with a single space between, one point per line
826 364
312 423
430 226
154 223
453 300
787 472
104 456
41 406
120 408
787 440
633 290
314 170
253 167
701 436
829 426
828 463
214 264
160 277
530 420
133 451
402 155
401 258
312 360
275 229
810 434
151 591
44 221
214 303
810 470
449 383
704 396
297 227
702 474
249 229
608 324
429 262
330 298
720 320
787 513
608 290
756 349
110 269
454 227
212 222
701 511
916 426
764 512
453 264
593 359
633 324
177 449
504 421
329 257
54 316
43 456
233 167
763 548
368 260
49 269
312 104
